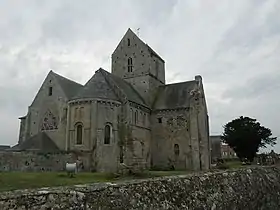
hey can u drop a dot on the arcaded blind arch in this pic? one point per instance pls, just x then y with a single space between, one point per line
79 133
107 133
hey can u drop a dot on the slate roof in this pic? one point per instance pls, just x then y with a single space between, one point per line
174 96
38 142
69 87
98 87
130 92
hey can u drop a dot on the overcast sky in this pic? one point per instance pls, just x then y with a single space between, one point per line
233 45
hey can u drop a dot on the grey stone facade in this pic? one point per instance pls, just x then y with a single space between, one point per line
123 118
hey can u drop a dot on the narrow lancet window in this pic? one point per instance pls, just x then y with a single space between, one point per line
79 134
129 65
107 135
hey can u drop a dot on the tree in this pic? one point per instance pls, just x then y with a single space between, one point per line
245 136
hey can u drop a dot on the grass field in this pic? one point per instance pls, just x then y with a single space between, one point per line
27 180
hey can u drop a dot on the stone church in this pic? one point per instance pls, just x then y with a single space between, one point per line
127 117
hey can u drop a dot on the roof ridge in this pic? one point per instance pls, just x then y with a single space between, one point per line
97 87
178 83
104 73
68 86
63 77
127 83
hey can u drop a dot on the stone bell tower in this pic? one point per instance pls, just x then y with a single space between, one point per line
138 64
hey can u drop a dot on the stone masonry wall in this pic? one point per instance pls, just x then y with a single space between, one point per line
31 161
251 188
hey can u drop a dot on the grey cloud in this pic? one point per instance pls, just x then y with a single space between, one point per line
261 86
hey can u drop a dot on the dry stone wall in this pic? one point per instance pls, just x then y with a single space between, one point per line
251 188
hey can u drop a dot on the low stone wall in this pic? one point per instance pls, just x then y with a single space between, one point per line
34 161
251 188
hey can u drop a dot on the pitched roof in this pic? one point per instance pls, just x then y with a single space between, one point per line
39 142
96 87
14 148
174 96
69 87
127 88
4 147
99 87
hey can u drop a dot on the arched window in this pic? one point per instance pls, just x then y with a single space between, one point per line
176 150
79 133
107 134
128 42
129 64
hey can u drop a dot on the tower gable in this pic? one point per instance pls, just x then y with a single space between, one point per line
133 58
136 62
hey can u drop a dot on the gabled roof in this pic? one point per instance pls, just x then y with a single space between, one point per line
174 96
39 142
96 87
99 87
127 88
69 87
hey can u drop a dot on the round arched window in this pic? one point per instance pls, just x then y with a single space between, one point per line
176 149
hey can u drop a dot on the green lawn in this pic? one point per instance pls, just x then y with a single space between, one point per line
234 164
27 180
